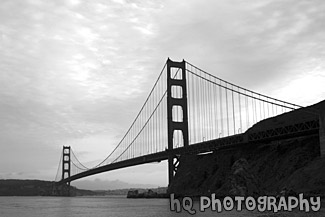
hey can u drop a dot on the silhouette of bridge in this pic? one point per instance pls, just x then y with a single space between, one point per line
189 111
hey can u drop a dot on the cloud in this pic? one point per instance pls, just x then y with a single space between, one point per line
239 41
68 74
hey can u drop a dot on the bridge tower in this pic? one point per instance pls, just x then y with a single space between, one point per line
322 129
66 163
176 82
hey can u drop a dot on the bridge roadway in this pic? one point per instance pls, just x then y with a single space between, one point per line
308 127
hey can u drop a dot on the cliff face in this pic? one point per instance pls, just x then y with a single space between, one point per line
254 170
257 169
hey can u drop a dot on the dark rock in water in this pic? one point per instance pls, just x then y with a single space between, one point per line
133 194
147 194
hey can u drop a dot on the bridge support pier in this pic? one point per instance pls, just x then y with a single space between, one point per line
176 104
322 129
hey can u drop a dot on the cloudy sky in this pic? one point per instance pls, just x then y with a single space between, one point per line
76 72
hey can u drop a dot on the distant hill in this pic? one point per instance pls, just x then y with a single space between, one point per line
125 191
99 184
15 187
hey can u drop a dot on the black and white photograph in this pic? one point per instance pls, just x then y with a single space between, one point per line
162 108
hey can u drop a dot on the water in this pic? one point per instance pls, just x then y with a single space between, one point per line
110 207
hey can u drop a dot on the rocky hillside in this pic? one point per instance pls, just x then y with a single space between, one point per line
256 169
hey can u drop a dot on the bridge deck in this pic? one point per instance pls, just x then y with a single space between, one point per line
290 131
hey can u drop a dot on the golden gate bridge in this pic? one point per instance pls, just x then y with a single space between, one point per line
190 111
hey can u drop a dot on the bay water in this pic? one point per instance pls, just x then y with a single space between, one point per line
113 206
